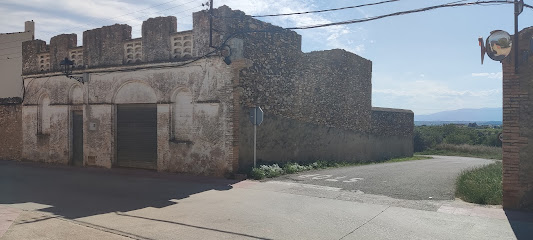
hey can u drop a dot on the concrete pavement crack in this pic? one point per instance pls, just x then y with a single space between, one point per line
87 225
365 223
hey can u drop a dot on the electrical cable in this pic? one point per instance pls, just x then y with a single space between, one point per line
398 14
326 10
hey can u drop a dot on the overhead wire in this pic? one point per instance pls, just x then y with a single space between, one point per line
447 5
325 10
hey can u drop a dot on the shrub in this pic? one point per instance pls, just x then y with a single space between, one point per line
257 174
272 170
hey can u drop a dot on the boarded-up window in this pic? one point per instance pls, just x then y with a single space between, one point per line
183 111
43 116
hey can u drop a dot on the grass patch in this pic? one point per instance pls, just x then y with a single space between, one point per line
465 150
481 185
274 170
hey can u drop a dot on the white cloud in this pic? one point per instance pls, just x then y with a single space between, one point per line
497 75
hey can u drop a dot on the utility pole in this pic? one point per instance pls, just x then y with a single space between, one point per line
210 23
516 13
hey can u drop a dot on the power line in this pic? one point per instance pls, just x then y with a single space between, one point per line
326 10
481 3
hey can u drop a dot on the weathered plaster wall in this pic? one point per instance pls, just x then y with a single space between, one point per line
517 126
98 148
53 145
208 149
10 128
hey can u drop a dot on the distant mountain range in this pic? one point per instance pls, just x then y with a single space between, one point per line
464 115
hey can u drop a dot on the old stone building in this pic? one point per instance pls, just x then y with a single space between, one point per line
517 125
170 101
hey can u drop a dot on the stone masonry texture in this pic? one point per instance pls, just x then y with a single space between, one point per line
105 46
156 38
11 128
59 46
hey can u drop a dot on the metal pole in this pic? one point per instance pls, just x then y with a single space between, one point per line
515 35
255 135
211 23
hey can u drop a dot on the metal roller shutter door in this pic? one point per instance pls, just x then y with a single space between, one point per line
137 135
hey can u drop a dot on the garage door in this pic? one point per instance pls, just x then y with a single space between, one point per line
137 135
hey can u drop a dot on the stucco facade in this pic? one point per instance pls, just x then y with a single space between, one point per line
193 99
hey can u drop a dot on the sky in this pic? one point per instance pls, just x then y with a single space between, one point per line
427 62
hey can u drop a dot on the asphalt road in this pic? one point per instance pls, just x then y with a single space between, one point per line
413 180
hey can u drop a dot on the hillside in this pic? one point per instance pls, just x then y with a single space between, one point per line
464 115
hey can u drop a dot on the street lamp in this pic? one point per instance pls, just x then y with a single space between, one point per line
66 67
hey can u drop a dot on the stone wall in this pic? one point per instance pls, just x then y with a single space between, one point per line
59 49
10 128
392 122
287 82
518 127
105 46
281 139
156 34
317 105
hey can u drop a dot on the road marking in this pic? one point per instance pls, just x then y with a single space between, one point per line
329 178
321 177
334 179
308 175
352 180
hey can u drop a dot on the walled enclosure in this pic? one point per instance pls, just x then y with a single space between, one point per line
517 125
317 105
321 100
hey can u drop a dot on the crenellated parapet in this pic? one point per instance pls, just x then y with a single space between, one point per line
113 45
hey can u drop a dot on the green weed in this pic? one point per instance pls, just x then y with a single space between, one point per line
481 185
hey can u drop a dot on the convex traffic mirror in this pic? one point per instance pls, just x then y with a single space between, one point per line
498 45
